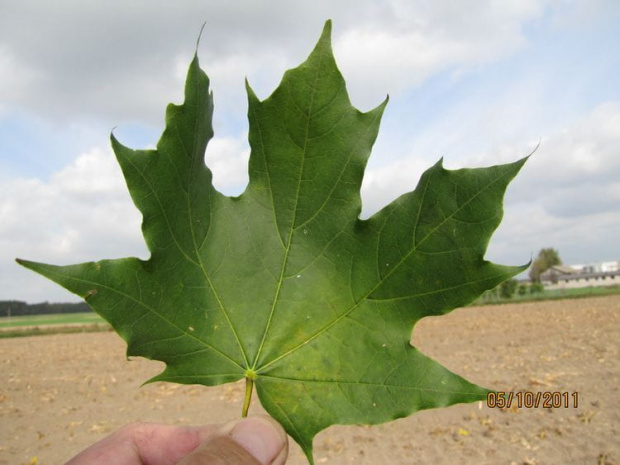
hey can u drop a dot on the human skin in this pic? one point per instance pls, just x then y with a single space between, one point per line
256 440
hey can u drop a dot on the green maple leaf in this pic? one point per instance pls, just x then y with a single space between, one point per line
284 285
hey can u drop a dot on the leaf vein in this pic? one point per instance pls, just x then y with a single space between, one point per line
381 281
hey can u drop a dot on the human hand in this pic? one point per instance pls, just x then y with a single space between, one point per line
250 441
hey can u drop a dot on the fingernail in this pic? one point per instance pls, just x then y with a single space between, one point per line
259 437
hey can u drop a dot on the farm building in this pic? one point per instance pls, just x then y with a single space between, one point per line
574 276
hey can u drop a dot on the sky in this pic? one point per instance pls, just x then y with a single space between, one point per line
476 82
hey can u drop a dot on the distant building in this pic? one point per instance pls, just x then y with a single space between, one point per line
602 267
574 276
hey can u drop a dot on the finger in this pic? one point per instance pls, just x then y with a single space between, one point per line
250 441
219 450
145 444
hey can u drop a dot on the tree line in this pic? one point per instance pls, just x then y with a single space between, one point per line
18 308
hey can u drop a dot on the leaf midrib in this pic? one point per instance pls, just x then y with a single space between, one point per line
150 309
292 226
361 383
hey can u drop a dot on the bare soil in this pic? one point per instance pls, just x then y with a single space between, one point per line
60 393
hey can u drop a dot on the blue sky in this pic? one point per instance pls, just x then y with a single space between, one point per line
478 83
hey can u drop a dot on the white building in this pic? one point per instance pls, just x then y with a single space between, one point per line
602 267
574 276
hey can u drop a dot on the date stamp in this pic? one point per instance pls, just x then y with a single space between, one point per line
530 399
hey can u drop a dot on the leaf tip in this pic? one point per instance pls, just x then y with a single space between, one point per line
113 139
251 94
326 35
534 149
381 107
25 263
519 163
150 380
118 148
37 267
202 28
327 27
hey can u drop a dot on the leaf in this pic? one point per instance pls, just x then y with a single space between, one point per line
285 285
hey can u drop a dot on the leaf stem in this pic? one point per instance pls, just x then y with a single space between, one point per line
249 384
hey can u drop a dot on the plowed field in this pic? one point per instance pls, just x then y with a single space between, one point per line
61 393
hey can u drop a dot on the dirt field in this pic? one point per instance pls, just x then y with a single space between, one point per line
59 394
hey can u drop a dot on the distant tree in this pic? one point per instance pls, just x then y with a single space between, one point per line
546 259
16 307
508 288
522 289
536 288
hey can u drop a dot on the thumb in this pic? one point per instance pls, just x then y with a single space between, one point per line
250 441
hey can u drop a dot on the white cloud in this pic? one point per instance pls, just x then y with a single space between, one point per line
83 213
120 63
566 196
421 39
228 160
589 149
584 14
386 183
115 65
529 227
16 77
578 166
90 177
